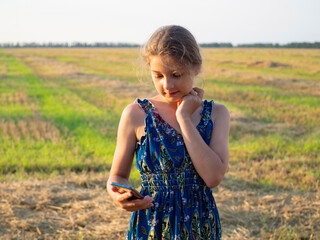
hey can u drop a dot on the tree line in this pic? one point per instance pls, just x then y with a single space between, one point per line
68 45
276 45
263 45
131 45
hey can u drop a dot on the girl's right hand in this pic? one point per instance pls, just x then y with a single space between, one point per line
129 205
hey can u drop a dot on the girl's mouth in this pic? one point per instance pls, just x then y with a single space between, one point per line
172 93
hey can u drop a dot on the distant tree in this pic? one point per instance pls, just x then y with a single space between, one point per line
216 45
288 45
132 45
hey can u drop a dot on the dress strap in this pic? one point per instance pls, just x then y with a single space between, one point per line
145 105
207 108
206 124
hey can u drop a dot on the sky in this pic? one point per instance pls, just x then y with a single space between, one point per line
133 21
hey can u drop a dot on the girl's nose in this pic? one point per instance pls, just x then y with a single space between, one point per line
167 83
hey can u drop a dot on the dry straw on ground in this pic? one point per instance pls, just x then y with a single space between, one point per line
76 206
63 207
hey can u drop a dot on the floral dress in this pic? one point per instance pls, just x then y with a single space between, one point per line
184 207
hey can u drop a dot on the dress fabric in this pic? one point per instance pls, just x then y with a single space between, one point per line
184 207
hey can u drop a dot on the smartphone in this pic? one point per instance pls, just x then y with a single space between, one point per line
123 188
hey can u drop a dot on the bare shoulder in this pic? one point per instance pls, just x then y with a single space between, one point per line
221 119
133 109
133 114
220 113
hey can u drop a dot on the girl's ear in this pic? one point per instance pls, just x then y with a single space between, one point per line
197 69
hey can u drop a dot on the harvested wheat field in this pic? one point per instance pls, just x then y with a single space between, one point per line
76 206
59 111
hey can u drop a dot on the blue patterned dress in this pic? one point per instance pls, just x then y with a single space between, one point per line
184 207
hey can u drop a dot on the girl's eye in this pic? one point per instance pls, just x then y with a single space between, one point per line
176 75
158 76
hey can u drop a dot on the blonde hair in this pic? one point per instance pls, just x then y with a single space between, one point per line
176 42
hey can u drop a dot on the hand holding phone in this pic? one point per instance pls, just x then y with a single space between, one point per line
124 188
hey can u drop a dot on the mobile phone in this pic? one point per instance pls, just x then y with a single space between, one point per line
124 188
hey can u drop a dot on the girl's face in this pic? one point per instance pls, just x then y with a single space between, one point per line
172 80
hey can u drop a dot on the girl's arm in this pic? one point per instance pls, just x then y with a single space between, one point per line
123 157
210 161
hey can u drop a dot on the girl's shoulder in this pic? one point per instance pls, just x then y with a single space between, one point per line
220 111
134 112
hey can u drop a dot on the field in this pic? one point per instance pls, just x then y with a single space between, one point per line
59 110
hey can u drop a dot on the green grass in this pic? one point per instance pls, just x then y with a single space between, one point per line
54 120
87 133
278 122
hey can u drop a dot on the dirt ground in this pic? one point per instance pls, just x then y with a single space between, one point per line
77 206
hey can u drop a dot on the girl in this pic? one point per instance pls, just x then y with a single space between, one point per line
181 146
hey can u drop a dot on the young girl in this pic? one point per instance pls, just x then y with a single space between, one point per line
181 146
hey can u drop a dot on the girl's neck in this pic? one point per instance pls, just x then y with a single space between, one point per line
160 101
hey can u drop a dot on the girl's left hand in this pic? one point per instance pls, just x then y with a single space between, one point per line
190 103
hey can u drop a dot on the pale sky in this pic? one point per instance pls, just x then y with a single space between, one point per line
133 21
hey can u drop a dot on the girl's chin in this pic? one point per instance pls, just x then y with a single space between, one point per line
172 98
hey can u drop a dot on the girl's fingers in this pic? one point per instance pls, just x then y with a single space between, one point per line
199 92
113 189
143 203
192 101
137 204
124 196
193 92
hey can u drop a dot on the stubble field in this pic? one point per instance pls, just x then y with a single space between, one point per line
59 110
